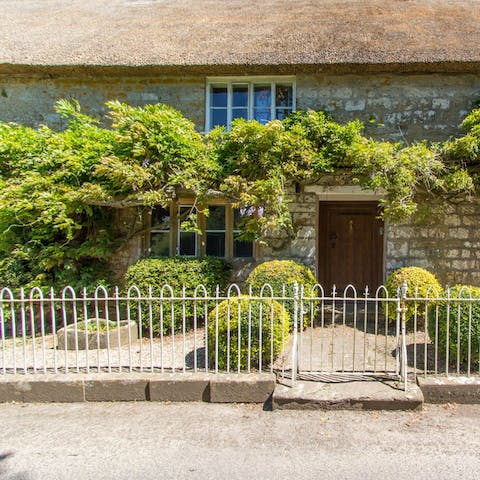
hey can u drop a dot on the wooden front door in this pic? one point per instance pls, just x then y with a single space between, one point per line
350 246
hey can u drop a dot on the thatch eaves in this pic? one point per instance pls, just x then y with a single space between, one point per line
232 36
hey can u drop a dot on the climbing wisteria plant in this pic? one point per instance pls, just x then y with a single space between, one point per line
59 190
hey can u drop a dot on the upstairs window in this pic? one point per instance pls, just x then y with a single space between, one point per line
258 99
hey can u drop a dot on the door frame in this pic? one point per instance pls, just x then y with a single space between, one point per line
349 199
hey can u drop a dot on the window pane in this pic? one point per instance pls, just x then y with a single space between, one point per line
216 217
262 103
218 97
242 248
186 245
284 96
215 244
282 113
262 115
240 96
261 96
237 218
184 211
239 113
187 241
160 244
218 117
215 240
160 218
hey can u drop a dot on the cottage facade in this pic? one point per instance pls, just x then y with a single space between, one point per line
408 70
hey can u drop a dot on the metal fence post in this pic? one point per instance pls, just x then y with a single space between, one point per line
295 332
403 319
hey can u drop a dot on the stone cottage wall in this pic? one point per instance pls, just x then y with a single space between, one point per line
449 247
392 106
302 249
31 100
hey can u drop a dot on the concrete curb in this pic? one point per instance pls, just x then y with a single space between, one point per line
222 388
450 389
255 388
124 387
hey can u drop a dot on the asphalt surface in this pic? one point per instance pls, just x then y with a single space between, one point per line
212 441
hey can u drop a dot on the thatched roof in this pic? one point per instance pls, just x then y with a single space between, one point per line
239 35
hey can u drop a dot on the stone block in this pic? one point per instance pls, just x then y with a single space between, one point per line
346 396
10 391
460 233
242 388
116 388
355 105
180 387
41 388
441 103
306 232
450 389
119 333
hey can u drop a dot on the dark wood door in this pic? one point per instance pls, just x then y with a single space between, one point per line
350 249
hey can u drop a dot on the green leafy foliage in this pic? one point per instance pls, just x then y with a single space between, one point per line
281 275
258 161
179 273
421 284
261 325
458 319
59 190
403 173
465 149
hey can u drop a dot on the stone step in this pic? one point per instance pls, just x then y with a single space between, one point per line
354 395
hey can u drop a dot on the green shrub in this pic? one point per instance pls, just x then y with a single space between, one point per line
418 280
267 316
459 313
178 272
278 273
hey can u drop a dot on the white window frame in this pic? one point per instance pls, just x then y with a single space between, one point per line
250 82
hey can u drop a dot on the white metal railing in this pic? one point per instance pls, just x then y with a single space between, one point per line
334 333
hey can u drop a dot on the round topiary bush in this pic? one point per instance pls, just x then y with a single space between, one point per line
463 325
420 282
251 317
278 273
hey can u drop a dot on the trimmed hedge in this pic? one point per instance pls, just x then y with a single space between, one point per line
178 272
416 278
278 273
458 316
267 316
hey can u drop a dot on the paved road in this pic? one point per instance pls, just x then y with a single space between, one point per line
207 441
